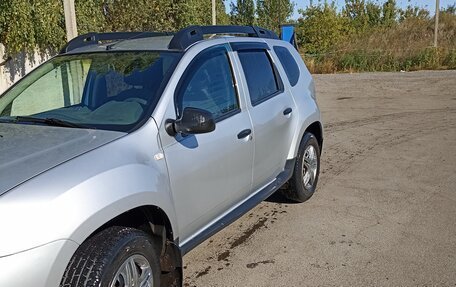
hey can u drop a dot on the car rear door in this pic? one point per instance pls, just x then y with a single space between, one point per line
271 109
209 173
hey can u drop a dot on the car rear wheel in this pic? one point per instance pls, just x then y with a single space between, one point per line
304 180
114 257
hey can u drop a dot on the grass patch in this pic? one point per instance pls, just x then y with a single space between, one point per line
406 46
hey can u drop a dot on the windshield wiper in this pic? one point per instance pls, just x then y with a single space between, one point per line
49 121
5 120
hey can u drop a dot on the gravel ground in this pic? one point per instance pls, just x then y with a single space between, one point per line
385 208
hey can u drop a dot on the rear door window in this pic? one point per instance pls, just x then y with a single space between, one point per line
262 79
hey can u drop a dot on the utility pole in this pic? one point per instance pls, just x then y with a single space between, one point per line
279 20
436 17
214 16
70 19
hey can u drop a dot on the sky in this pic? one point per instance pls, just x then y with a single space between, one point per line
428 4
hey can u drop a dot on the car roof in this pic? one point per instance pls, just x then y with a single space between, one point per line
157 41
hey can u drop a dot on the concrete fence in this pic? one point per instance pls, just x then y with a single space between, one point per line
16 67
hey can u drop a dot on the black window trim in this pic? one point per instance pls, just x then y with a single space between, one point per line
239 46
185 74
278 78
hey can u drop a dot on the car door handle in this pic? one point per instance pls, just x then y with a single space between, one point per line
287 111
244 133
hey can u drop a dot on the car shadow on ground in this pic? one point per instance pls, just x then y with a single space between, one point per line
278 197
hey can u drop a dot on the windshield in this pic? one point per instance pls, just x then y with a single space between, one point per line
113 91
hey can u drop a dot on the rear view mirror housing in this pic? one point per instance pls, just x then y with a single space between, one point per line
192 121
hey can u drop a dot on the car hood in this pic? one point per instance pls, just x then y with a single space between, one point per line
28 150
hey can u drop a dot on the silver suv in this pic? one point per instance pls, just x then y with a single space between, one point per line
127 150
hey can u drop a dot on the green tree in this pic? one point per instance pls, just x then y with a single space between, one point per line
164 16
198 12
90 15
243 12
272 13
320 28
390 13
413 12
450 9
222 17
29 24
355 11
374 14
17 32
49 23
131 15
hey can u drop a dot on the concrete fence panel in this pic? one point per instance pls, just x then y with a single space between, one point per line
14 68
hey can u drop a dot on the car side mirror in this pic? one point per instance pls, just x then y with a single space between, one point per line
192 121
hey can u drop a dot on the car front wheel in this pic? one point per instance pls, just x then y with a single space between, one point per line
114 257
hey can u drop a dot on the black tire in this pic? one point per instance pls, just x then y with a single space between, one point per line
297 190
98 259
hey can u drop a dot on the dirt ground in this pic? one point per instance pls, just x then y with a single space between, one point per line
384 212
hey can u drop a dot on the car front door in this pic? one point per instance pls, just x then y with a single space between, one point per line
211 172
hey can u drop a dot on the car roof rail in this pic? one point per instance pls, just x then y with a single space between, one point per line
95 38
192 34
